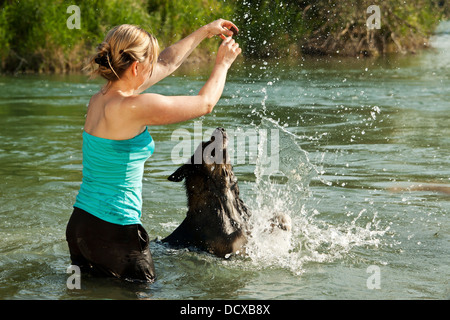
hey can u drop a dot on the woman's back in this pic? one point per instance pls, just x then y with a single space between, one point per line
108 117
112 177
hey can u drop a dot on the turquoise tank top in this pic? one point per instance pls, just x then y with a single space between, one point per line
112 177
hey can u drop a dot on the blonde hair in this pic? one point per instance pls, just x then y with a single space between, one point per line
123 45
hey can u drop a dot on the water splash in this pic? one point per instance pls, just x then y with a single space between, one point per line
287 190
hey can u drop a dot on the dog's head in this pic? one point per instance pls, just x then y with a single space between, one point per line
210 183
209 168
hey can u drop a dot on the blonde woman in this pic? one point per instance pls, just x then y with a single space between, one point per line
104 233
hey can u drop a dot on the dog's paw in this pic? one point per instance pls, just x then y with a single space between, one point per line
281 221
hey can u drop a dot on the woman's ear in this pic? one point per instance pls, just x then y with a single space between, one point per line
134 68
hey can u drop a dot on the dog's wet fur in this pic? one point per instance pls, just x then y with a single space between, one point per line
217 220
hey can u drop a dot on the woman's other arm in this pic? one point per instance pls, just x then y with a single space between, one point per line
155 109
172 57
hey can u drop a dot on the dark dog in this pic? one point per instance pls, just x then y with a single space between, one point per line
217 220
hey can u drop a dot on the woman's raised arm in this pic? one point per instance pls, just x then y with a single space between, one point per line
155 109
172 57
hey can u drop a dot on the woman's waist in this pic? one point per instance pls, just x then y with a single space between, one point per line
107 199
113 186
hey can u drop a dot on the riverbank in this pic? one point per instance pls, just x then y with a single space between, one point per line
268 29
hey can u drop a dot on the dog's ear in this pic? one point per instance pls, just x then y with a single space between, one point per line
179 174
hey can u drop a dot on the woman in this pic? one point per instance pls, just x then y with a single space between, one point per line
104 233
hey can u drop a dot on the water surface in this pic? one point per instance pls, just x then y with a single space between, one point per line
353 137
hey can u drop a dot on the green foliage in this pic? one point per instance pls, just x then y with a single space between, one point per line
34 35
174 20
268 27
5 35
37 33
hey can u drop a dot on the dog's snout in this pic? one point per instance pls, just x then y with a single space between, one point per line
220 131
221 136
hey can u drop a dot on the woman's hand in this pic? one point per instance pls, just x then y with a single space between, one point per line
220 27
228 52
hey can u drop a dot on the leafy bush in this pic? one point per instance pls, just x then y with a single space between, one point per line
38 39
34 36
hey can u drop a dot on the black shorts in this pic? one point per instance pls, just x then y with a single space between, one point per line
104 248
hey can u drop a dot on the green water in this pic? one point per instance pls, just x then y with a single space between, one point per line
348 132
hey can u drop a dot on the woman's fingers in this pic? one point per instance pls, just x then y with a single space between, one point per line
224 28
230 42
231 28
228 50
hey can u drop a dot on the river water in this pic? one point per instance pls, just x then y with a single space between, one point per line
357 152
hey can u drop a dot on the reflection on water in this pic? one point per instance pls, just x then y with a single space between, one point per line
351 132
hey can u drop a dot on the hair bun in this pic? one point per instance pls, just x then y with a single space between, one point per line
123 45
102 60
